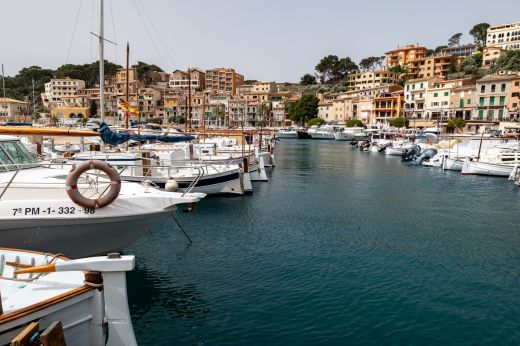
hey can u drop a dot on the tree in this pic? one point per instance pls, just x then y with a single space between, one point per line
457 123
454 66
332 69
455 40
399 122
263 110
178 119
305 108
507 62
399 69
146 72
371 62
219 114
439 49
93 109
316 121
479 33
354 123
308 79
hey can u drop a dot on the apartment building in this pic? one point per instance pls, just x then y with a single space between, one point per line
58 88
493 96
462 101
371 79
490 55
415 92
505 36
388 106
325 110
463 51
435 66
514 99
404 55
183 79
438 98
223 80
12 108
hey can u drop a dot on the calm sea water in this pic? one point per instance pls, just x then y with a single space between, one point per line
339 247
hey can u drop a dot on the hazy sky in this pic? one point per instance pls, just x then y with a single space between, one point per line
263 39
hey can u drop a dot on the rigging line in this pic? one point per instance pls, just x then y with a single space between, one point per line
148 32
92 29
114 30
73 32
158 33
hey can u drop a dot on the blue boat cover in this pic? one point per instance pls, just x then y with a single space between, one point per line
114 138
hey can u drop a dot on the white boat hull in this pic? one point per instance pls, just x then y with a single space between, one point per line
452 164
343 136
394 151
483 168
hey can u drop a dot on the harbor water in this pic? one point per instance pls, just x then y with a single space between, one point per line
339 247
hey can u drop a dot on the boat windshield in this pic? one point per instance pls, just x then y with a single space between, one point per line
13 154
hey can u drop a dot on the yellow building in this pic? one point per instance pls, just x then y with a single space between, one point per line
388 106
224 80
403 55
371 79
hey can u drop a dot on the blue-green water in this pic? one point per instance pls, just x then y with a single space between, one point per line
339 247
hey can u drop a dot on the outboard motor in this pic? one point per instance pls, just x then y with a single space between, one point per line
382 148
425 156
354 143
411 153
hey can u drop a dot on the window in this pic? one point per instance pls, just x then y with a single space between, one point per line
446 93
493 88
515 105
500 114
502 100
435 94
468 101
408 87
491 114
517 83
461 103
492 101
482 89
481 114
481 101
503 88
422 85
413 86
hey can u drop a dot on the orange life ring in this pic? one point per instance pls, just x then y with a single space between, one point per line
76 196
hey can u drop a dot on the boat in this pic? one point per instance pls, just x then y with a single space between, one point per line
37 210
287 134
322 132
347 133
453 164
471 166
82 302
194 176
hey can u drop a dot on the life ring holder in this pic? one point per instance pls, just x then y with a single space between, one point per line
75 195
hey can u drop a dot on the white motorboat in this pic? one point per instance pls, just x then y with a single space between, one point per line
84 301
37 212
208 178
287 134
348 133
322 132
394 151
453 164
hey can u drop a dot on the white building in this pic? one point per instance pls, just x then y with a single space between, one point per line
56 89
12 108
505 36
181 79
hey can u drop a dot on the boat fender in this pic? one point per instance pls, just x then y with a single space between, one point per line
72 184
171 185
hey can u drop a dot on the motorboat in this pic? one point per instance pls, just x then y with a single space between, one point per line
471 167
287 134
37 210
322 132
170 168
81 302
347 133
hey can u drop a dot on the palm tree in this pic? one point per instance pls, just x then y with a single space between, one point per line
263 110
219 114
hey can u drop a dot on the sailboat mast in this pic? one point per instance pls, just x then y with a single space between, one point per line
101 62
127 93
3 87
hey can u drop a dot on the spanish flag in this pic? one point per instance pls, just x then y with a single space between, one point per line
134 111
124 104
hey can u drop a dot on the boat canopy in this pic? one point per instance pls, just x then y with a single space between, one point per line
114 138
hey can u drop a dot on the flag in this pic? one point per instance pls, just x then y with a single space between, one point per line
123 103
134 111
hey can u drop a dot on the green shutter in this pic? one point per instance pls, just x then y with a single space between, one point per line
492 101
468 102
435 94
482 100
481 114
502 100
446 93
461 103
500 114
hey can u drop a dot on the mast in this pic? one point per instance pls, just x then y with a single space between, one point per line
34 100
127 94
3 87
101 63
189 98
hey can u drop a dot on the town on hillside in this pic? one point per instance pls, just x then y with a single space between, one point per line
478 83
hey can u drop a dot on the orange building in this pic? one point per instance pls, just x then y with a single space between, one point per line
224 80
403 55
